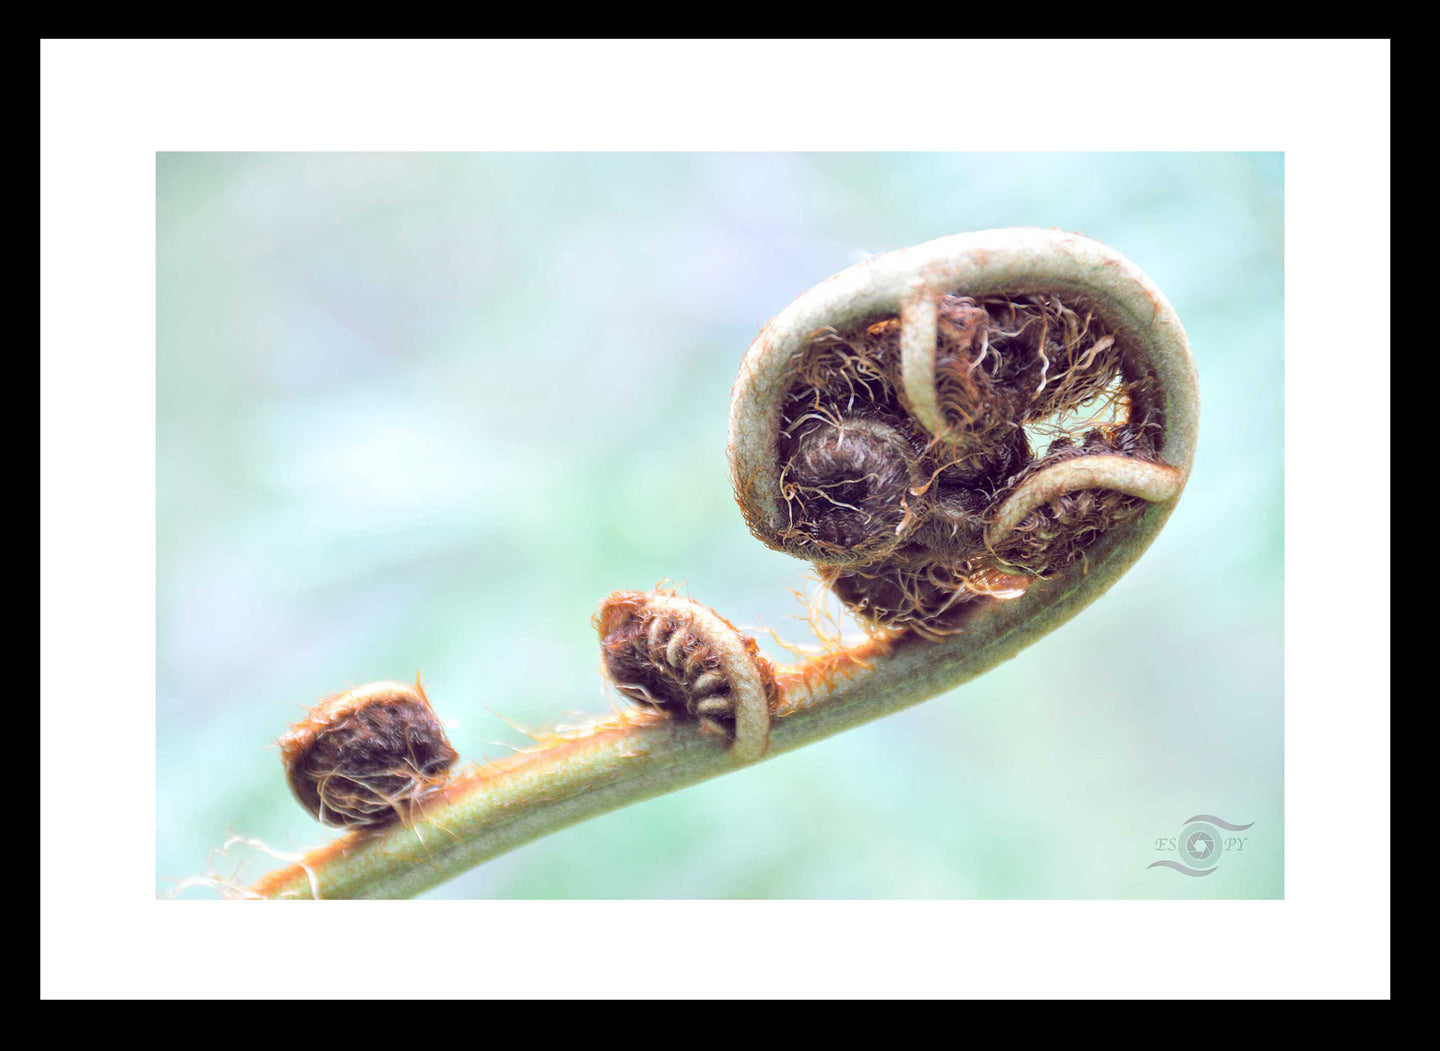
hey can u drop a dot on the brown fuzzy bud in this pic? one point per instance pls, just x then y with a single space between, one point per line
685 660
852 486
367 756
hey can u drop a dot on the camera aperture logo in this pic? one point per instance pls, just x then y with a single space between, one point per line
1200 845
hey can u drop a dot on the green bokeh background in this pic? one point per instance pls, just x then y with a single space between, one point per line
422 411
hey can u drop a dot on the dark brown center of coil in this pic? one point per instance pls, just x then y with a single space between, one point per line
851 483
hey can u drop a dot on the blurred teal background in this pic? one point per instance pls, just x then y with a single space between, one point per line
421 412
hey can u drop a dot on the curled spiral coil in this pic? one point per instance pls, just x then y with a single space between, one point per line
886 425
680 658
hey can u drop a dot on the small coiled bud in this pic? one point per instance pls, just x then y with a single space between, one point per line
367 756
675 656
